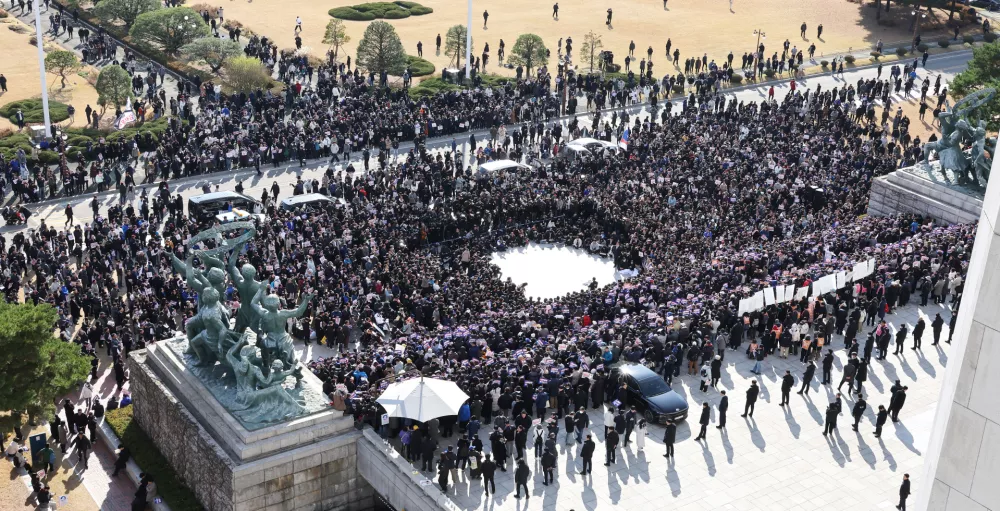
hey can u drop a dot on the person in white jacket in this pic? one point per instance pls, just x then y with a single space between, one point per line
609 420
640 434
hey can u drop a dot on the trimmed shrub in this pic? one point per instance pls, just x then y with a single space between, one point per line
968 39
769 73
849 59
990 37
824 63
876 54
380 10
419 66
901 51
736 78
679 88
351 14
944 43
922 47
147 456
32 110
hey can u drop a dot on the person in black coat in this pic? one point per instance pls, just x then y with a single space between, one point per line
787 382
936 326
858 411
900 339
669 436
428 446
704 420
122 461
904 491
630 420
862 374
610 446
896 403
827 368
620 422
716 371
880 420
581 421
489 468
723 407
521 475
587 455
416 443
831 419
597 391
548 467
807 377
520 441
443 471
918 332
752 394
499 447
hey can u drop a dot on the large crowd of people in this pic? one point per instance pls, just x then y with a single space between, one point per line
708 203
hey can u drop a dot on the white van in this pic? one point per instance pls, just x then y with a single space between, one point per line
492 167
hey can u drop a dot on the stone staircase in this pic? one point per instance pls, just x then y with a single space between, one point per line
904 192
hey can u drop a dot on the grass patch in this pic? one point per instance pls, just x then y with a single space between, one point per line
32 110
380 10
147 456
419 66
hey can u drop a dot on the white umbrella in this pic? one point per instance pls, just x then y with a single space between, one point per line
422 399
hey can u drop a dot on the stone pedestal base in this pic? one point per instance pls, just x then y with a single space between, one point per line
910 191
308 463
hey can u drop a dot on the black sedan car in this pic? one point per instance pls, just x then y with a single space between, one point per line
649 393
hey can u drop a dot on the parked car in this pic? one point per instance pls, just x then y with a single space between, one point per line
492 167
308 201
649 393
594 145
205 207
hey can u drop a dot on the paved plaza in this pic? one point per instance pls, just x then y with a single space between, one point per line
776 460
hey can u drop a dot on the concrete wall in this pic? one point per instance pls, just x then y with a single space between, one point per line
963 457
393 477
903 192
319 476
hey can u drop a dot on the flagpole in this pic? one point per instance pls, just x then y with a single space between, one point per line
41 68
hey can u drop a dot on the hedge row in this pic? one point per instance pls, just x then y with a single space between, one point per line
149 458
380 10
419 66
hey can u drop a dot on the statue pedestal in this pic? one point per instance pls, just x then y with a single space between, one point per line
308 462
927 192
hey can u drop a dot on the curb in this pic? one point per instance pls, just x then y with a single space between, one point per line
112 442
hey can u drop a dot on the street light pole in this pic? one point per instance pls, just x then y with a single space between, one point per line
41 67
468 45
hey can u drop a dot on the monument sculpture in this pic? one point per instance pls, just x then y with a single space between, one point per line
248 365
959 129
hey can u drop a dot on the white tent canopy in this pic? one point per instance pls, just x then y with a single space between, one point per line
422 399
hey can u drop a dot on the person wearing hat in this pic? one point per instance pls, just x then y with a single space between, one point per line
669 436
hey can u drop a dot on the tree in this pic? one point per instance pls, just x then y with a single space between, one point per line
246 74
62 62
592 48
336 36
126 11
529 51
211 51
983 72
454 44
114 87
170 29
380 50
36 368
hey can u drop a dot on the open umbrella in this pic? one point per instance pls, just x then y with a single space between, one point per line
422 399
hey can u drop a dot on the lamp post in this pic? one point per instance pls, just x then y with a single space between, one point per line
917 16
757 51
468 45
41 68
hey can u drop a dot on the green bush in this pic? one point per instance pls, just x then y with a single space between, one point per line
736 78
32 110
849 59
901 51
990 37
350 14
679 88
148 457
419 66
769 73
968 39
380 10
824 63
492 80
922 47
944 43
